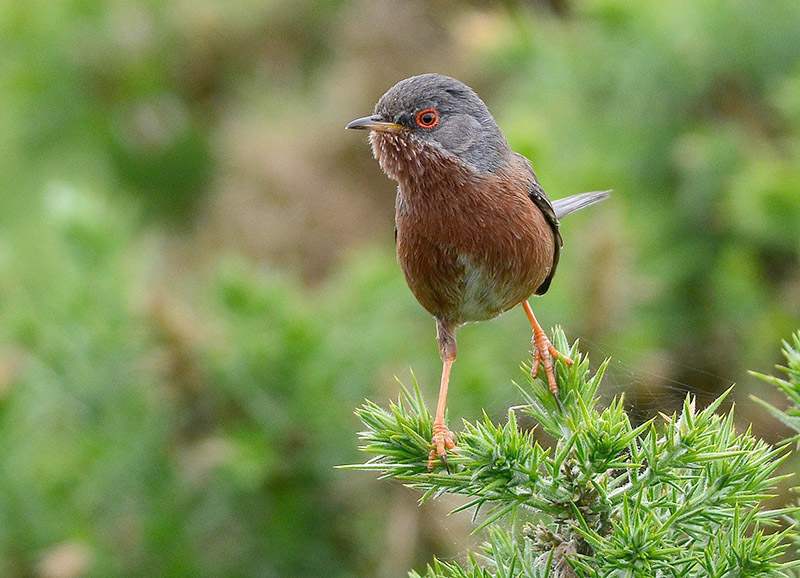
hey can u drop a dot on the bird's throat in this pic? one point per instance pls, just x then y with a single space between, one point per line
399 156
418 166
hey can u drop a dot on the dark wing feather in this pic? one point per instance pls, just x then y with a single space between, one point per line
538 196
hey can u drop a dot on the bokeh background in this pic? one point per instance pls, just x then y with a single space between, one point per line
197 278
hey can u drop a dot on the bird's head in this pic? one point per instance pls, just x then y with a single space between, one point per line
433 117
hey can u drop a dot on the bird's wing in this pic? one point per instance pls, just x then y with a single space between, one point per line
539 198
553 211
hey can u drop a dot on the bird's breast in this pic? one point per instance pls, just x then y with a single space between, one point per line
471 249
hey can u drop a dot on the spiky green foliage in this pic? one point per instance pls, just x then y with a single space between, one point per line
789 386
502 557
680 495
791 415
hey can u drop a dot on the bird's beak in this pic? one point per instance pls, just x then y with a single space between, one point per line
375 122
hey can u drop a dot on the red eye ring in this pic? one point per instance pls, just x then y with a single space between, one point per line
427 118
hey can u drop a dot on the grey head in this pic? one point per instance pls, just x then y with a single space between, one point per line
443 112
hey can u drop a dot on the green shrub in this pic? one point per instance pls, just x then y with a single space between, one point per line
682 495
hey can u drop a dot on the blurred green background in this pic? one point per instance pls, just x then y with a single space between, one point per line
197 278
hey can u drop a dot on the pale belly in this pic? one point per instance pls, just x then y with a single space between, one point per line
485 296
460 288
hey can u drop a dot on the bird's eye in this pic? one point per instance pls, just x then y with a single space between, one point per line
427 118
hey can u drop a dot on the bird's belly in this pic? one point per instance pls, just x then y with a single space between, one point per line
459 287
484 295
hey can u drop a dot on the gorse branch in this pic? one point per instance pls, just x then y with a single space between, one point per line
790 387
680 496
791 416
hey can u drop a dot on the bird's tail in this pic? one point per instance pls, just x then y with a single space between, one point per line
567 205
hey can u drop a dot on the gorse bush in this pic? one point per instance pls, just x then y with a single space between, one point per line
790 386
791 415
679 495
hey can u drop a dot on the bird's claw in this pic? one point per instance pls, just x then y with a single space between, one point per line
443 440
543 354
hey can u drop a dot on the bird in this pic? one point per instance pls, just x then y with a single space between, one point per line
475 233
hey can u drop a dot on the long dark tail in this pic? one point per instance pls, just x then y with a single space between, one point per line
567 205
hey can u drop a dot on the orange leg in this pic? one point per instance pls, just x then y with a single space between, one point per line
543 351
443 438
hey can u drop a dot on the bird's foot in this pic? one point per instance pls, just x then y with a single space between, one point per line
443 440
543 354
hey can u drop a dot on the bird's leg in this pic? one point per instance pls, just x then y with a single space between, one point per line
443 438
543 351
